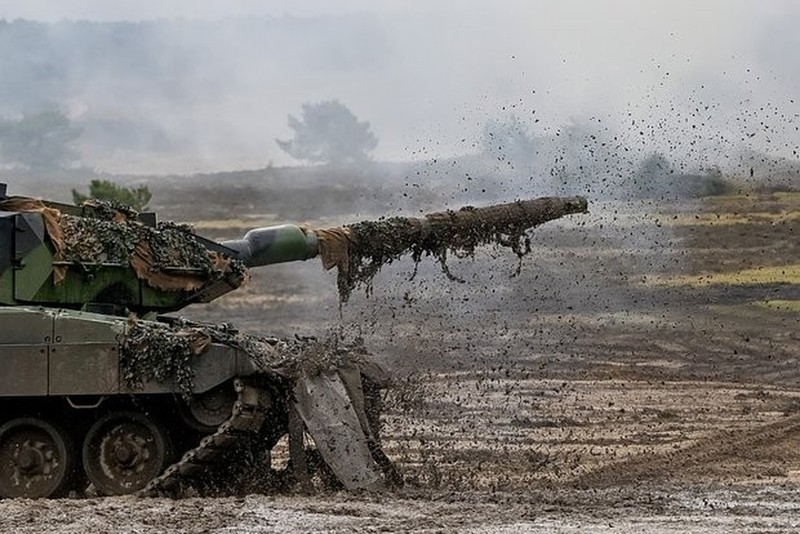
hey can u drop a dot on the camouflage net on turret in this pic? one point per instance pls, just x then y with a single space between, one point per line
167 257
360 250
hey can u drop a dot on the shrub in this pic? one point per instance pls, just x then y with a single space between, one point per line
137 197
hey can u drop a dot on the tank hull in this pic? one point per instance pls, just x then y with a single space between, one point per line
75 409
51 352
68 412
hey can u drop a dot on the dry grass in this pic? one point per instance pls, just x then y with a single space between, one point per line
717 219
792 306
783 274
775 208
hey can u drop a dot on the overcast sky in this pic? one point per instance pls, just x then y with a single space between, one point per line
432 73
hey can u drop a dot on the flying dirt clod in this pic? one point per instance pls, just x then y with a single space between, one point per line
96 386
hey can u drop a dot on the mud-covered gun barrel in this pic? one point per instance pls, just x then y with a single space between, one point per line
397 235
358 250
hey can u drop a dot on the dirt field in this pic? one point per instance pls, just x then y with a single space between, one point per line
641 373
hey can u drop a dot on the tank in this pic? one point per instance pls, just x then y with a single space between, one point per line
98 386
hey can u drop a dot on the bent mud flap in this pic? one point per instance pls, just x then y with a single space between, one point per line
330 411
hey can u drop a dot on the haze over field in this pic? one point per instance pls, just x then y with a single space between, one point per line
633 368
205 86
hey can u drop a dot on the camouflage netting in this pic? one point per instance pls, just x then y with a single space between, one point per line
160 354
163 352
360 250
167 257
329 384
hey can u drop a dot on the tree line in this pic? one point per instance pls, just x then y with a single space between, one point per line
326 132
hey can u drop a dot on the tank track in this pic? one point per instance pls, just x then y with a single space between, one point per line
248 414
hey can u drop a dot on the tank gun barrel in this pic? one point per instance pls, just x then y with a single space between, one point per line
359 250
465 228
274 244
469 225
395 236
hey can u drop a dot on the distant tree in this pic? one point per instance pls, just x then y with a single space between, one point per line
509 141
654 167
653 176
39 141
328 132
137 198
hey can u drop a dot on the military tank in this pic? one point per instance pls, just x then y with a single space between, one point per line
98 385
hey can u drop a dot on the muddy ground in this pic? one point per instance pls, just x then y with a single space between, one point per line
605 388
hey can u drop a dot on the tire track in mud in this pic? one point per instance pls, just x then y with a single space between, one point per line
722 456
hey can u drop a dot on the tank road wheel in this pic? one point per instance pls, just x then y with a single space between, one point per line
36 459
123 451
206 411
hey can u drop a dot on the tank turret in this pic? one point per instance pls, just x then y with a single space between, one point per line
109 258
